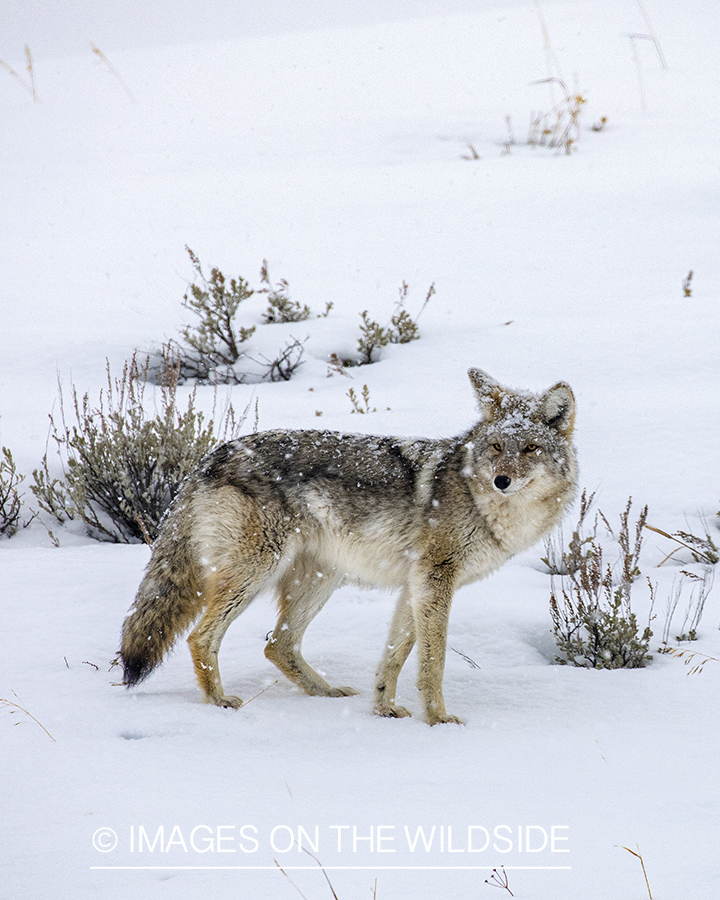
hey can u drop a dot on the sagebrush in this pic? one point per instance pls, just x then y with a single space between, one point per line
402 329
562 560
214 342
122 466
10 496
215 347
281 308
593 621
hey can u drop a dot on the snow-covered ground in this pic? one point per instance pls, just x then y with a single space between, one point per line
328 138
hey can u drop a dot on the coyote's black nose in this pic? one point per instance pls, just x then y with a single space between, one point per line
502 482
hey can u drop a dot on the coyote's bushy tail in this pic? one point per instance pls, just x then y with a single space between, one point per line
167 602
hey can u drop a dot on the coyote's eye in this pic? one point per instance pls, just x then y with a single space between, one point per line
532 448
497 448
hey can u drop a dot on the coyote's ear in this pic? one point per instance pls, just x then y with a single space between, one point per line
487 391
557 408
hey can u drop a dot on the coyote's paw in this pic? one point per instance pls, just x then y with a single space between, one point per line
228 702
444 719
390 711
341 692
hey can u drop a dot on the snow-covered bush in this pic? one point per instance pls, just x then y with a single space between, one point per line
562 560
213 343
402 329
215 347
10 502
372 337
594 624
592 616
281 308
121 466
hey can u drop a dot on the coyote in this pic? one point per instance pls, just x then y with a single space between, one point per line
301 512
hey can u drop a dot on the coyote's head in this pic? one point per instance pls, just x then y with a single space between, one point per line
522 438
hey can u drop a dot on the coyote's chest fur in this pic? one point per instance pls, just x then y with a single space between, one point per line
301 512
368 541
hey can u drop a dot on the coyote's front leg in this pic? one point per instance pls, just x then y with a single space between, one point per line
432 597
399 643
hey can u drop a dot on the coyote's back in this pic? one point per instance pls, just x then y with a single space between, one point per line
301 512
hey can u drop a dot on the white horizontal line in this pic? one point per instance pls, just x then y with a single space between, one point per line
347 868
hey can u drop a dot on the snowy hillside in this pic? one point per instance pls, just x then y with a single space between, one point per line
332 140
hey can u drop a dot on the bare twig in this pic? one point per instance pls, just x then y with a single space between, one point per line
145 533
643 867
260 693
499 880
332 889
468 660
290 879
652 36
305 850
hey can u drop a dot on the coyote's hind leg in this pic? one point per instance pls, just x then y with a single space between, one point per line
204 642
237 548
303 592
227 592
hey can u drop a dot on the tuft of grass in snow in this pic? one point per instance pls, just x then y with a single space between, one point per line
30 84
359 407
281 308
557 129
110 68
18 707
372 337
214 345
695 661
704 552
702 549
687 289
701 587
